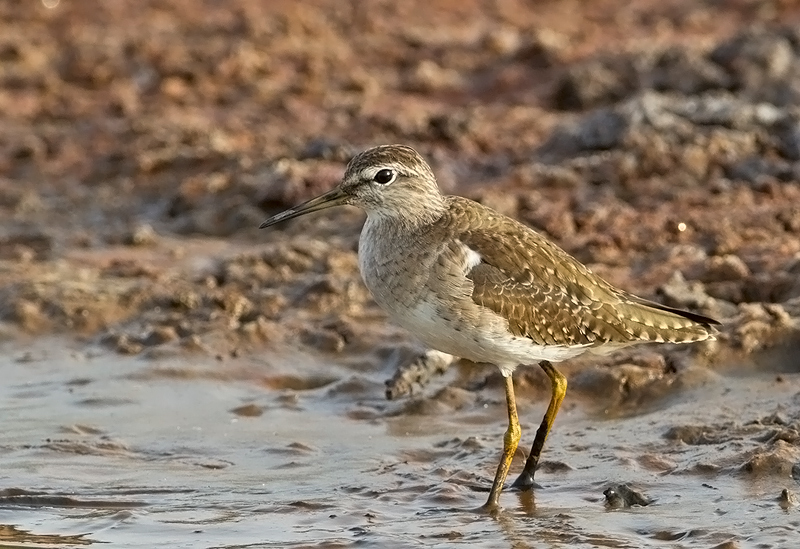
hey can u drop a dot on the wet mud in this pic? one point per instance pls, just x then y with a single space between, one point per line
171 375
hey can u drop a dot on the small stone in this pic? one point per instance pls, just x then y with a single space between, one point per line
787 499
323 340
143 235
427 76
725 268
622 495
248 410
29 315
160 335
128 346
779 460
503 41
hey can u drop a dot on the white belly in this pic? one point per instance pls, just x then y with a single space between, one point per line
444 329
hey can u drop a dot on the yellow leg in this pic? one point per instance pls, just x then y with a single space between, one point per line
510 442
559 389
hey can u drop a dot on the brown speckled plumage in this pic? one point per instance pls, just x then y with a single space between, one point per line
548 296
471 282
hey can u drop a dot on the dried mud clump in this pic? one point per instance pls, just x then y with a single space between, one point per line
764 447
255 299
758 64
711 165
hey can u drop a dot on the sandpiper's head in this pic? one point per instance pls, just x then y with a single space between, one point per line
390 181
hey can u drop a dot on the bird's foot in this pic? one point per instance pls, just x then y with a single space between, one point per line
491 508
525 482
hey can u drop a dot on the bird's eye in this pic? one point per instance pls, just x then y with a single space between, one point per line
384 176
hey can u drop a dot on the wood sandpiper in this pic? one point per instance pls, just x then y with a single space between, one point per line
476 284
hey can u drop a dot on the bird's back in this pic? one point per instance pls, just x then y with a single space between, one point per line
480 285
550 297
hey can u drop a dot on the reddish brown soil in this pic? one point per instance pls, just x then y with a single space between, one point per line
653 140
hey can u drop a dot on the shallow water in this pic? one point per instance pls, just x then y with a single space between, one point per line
184 452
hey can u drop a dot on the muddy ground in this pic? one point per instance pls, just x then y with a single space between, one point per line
152 334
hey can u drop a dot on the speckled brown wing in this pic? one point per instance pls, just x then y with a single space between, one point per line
547 295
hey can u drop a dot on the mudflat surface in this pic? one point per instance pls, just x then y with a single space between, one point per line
171 375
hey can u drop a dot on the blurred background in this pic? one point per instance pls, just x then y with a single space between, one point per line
142 143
